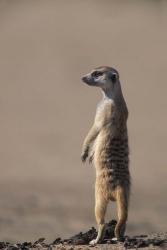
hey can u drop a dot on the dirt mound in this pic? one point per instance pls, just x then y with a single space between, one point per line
85 238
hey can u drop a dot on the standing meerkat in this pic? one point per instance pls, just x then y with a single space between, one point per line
110 152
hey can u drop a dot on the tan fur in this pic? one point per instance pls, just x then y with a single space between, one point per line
110 152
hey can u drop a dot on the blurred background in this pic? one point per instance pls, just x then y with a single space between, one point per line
46 111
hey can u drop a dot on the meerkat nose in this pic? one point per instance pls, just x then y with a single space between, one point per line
84 78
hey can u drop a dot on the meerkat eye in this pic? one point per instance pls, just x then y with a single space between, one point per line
97 73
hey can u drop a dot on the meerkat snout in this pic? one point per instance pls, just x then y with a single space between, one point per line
102 77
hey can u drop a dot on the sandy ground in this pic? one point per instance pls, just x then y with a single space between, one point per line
154 241
45 48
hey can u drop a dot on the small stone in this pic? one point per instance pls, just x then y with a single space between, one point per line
13 247
2 245
50 248
57 241
63 248
40 240
38 245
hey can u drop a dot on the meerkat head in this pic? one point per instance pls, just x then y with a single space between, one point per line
103 77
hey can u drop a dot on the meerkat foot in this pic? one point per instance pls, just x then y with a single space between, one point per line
93 242
99 235
114 239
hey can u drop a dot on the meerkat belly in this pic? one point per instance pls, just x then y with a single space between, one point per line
111 161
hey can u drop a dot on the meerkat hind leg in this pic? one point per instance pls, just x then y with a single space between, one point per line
100 210
122 210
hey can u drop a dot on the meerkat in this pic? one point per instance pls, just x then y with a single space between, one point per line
110 151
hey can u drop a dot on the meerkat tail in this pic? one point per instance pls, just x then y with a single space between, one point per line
122 210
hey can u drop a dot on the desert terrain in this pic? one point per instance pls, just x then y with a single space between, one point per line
45 48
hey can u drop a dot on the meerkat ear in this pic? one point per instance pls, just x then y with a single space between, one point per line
113 76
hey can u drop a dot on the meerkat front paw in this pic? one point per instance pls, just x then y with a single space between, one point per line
84 155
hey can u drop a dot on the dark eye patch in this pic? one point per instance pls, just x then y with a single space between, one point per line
97 73
113 77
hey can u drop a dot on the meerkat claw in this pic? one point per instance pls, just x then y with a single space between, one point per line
83 158
93 242
114 239
85 154
90 159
